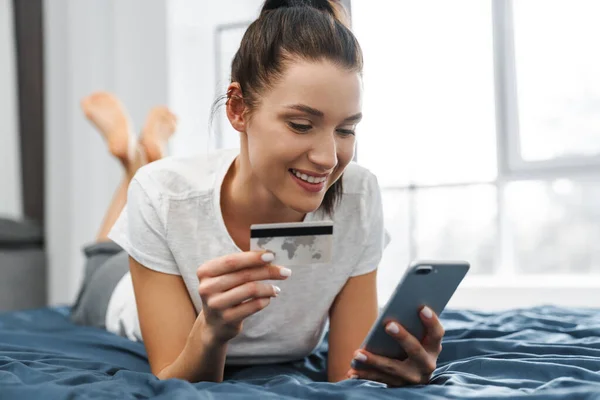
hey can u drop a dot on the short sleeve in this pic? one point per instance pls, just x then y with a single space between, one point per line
376 236
141 232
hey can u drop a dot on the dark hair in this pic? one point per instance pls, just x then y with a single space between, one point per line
311 30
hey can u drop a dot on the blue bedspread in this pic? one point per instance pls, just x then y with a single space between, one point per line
539 353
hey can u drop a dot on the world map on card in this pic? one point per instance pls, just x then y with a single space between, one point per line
297 250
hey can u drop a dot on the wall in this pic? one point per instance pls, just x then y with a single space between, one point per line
92 45
193 82
10 174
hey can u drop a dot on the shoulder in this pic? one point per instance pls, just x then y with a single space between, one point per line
184 177
359 181
361 196
358 219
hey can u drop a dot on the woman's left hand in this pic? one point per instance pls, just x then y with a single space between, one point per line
417 367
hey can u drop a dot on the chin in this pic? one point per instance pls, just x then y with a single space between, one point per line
305 206
299 200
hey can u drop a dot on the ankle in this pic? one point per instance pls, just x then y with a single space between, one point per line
137 161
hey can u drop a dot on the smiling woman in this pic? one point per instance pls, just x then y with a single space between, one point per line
306 122
195 294
270 45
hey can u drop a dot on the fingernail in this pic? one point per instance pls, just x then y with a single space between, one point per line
427 313
277 289
354 376
285 272
360 357
392 328
268 257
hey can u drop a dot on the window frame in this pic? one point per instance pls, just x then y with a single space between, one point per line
511 167
507 101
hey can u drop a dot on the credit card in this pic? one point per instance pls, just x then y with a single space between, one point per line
299 243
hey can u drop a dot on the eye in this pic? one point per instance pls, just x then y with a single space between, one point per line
302 128
346 132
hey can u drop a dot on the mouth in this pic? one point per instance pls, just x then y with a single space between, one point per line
311 183
315 179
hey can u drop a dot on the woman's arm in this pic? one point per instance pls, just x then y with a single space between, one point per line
351 316
171 331
181 344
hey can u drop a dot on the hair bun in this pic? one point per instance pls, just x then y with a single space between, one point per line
331 7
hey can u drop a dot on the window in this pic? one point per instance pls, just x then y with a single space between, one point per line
555 225
428 91
558 79
482 123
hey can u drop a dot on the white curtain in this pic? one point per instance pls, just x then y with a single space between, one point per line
91 45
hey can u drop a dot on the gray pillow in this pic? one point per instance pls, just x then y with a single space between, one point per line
17 234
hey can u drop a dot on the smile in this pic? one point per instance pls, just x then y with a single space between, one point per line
308 178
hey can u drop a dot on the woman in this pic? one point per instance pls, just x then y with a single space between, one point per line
202 298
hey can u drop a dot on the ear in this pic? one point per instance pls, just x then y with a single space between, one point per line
236 109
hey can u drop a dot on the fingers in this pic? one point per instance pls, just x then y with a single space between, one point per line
228 281
413 371
378 376
244 310
239 294
231 290
432 342
233 262
412 347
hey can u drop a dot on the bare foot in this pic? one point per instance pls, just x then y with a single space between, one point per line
109 116
160 125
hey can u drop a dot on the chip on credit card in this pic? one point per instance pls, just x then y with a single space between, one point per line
298 243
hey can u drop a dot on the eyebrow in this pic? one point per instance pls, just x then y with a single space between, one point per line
313 111
306 109
354 118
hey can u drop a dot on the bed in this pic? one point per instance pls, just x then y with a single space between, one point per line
535 353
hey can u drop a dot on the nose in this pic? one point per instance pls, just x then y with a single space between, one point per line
324 152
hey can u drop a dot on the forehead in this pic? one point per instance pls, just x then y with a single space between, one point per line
325 86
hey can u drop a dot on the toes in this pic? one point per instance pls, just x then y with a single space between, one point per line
163 112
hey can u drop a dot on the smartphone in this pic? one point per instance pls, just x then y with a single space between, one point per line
425 283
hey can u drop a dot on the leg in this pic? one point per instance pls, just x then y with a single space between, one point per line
152 145
106 262
111 119
109 116
120 197
159 127
114 210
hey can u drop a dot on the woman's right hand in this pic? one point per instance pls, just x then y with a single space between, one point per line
231 290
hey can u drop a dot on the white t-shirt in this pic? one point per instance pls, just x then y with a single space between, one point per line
173 223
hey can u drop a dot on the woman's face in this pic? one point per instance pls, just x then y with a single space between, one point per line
301 135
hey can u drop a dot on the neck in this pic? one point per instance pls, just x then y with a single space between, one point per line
245 201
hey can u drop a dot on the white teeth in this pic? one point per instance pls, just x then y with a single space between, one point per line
309 178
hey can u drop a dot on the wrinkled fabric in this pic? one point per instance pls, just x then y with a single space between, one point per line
537 353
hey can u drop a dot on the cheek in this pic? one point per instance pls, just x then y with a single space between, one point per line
345 150
269 149
266 134
345 154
